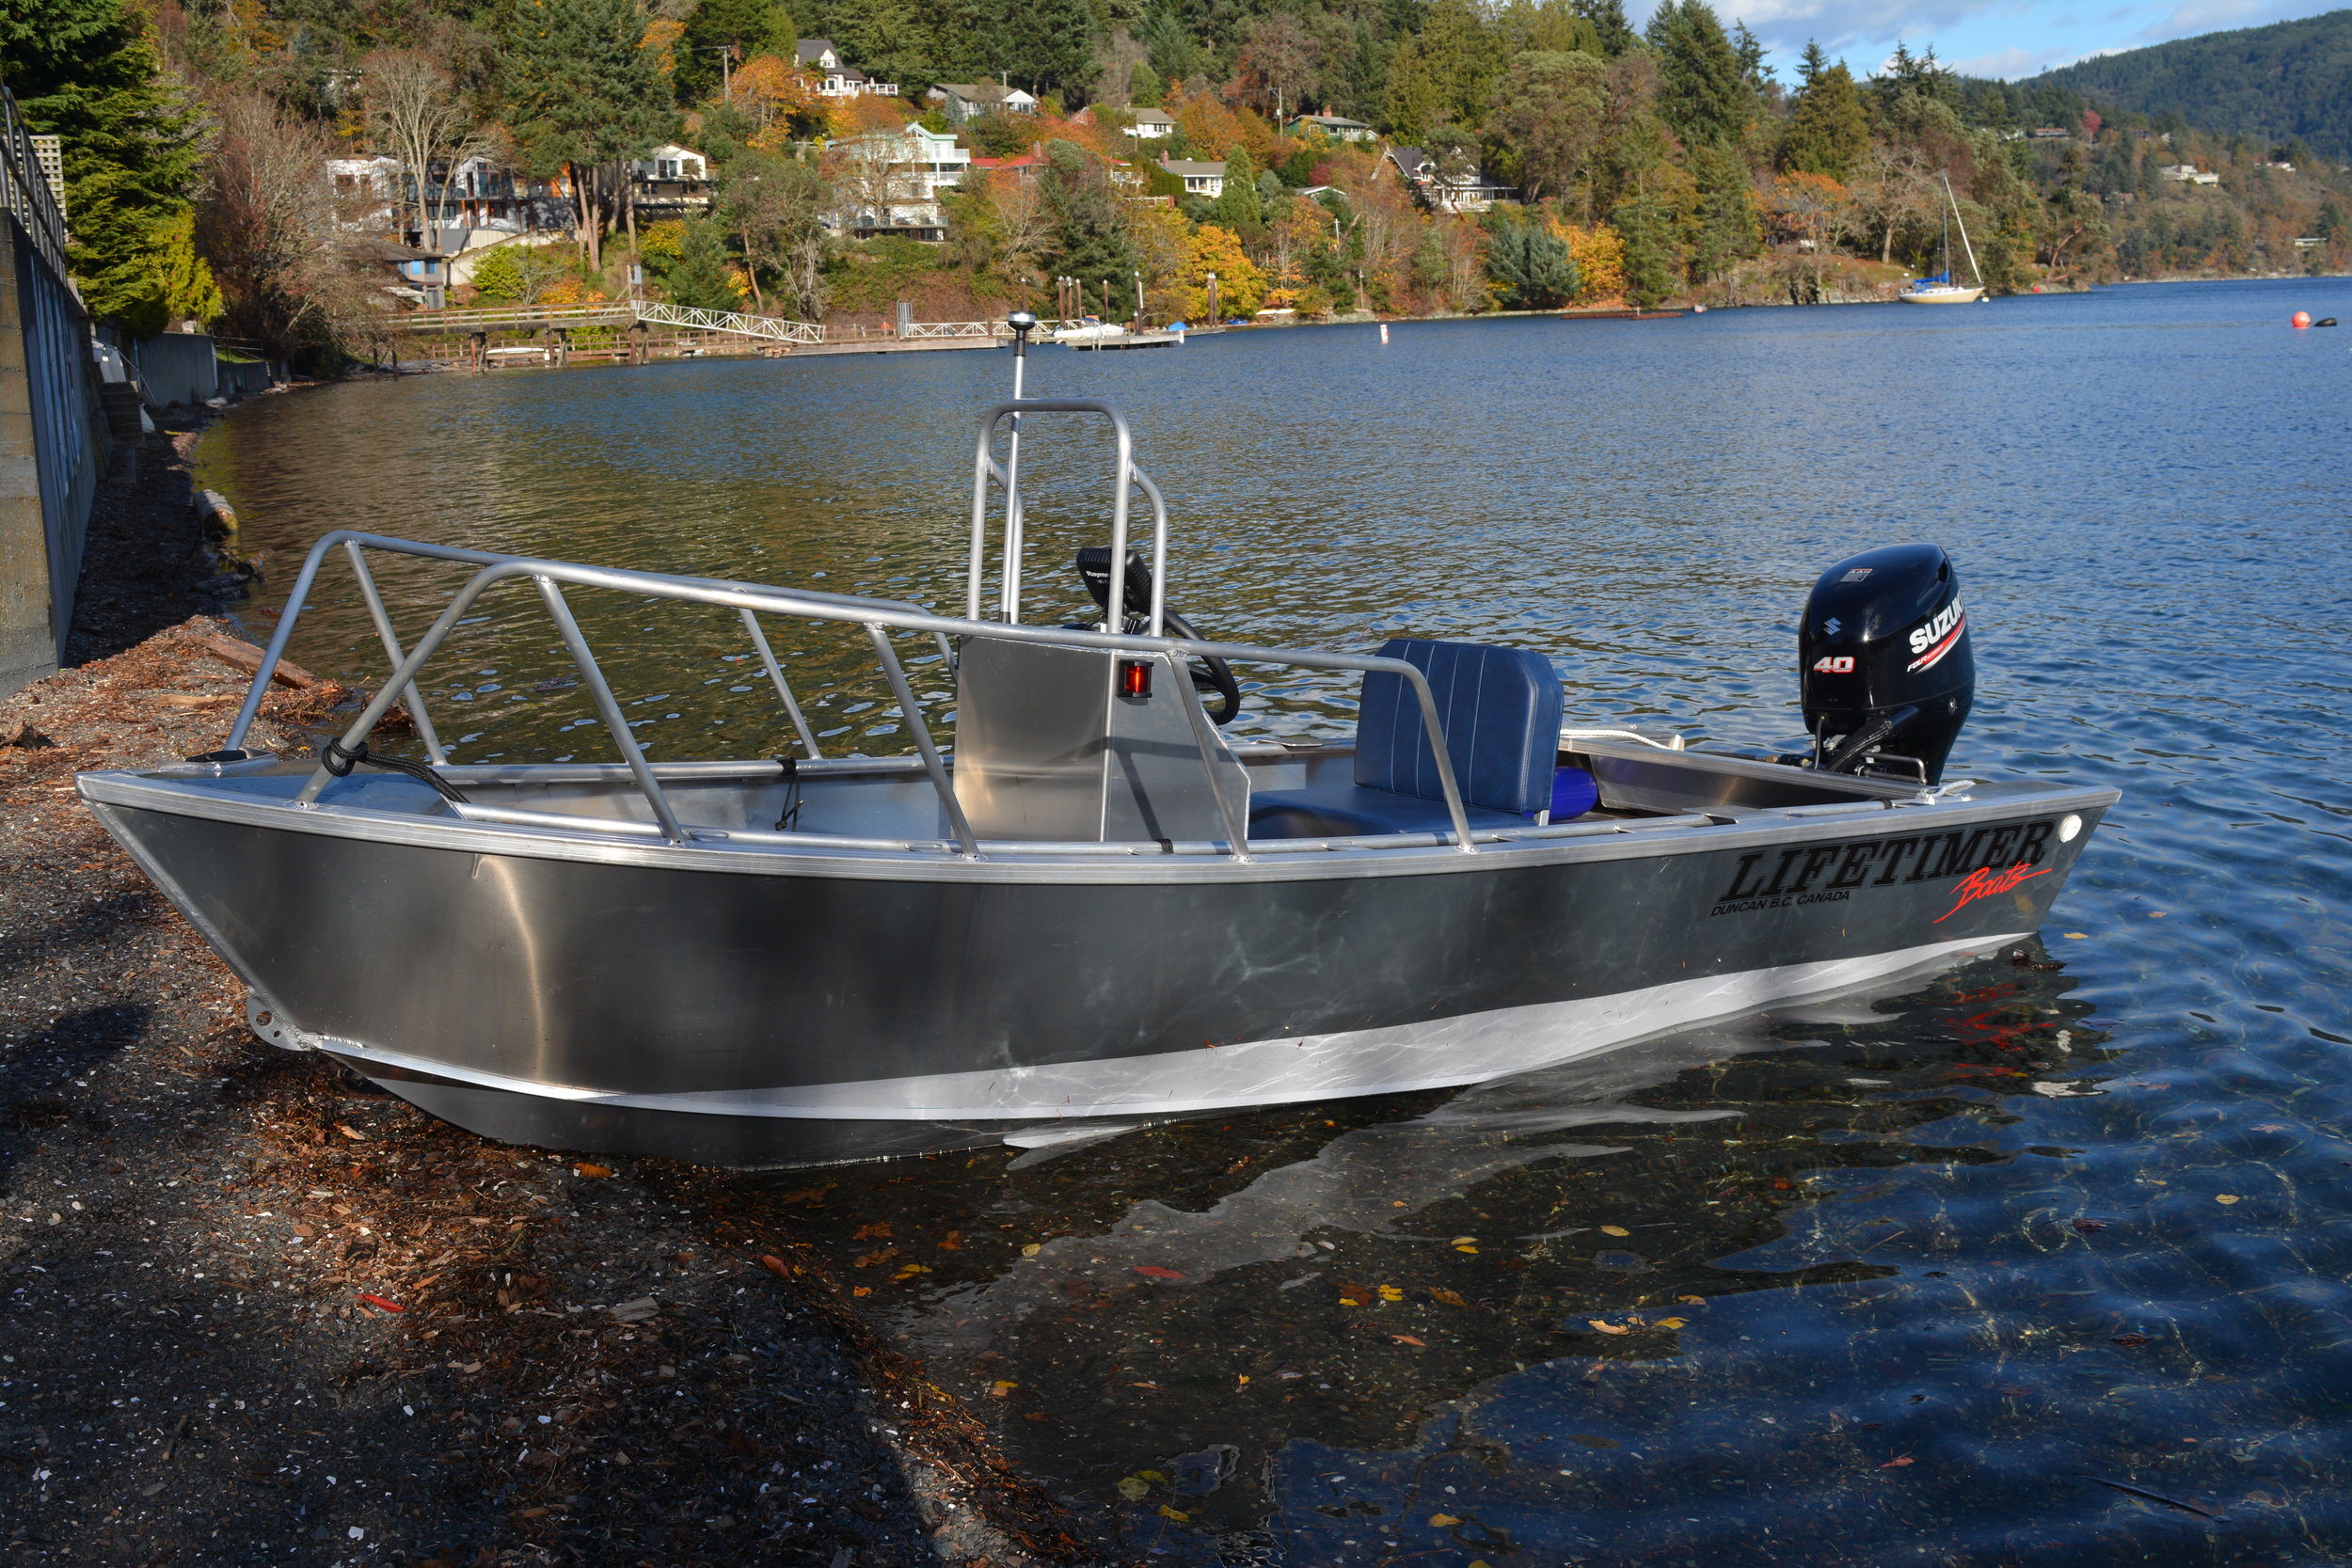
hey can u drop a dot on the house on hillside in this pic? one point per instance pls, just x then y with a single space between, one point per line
2187 174
836 78
1200 179
888 182
671 182
1024 166
1467 191
1153 125
1337 127
968 101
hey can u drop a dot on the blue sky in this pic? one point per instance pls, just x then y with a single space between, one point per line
2005 38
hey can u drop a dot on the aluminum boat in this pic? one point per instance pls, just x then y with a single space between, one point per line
1094 910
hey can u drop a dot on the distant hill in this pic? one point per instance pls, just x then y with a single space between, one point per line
2289 79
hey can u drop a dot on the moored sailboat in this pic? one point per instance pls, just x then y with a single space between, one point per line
1941 288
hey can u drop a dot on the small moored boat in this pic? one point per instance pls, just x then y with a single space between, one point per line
1941 288
1094 910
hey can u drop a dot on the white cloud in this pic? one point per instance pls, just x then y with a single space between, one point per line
2009 64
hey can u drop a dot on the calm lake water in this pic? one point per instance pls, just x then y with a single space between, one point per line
2044 1261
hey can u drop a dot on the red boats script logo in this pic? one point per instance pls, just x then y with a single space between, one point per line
1985 883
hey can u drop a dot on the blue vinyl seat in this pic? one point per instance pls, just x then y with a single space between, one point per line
1500 711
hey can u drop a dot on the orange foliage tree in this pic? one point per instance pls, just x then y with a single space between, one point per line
780 100
1600 256
1808 207
1240 285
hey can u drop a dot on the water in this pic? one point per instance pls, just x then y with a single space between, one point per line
2042 1260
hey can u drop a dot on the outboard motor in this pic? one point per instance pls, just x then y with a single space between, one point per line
1888 667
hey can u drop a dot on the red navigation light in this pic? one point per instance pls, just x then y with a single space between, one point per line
1135 677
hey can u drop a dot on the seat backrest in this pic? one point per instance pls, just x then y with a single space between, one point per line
1500 709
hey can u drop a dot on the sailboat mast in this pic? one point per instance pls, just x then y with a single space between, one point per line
1975 270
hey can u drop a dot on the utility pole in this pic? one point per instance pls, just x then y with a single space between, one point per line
1214 315
1138 300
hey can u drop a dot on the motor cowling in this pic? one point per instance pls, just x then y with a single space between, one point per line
1887 666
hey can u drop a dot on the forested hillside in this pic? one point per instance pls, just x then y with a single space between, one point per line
2293 79
1518 154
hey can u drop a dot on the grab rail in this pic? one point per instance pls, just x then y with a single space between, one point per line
1129 477
354 543
879 618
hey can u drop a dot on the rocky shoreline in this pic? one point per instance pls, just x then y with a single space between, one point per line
254 1309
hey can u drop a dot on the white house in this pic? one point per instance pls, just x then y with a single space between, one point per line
2188 174
965 101
367 190
835 76
1200 179
671 182
1153 125
1471 192
888 183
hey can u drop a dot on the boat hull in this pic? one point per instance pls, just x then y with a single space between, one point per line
776 1009
1942 296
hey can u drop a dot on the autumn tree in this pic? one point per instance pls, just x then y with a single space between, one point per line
1276 65
774 209
415 114
1240 284
1548 112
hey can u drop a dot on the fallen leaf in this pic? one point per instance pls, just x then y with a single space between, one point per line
1408 1340
635 1311
351 1132
861 1290
2225 1197
531 1513
1153 1271
305 1229
1693 1301
1615 1230
1000 1388
1354 1295
1134 1488
1443 1521
1240 1379
908 1271
775 1265
1897 1464
587 1168
1033 1249
952 1242
2078 936
380 1301
2131 1341
1451 1298
1672 1322
1608 1328
871 1230
2087 1227
1176 1513
1389 1292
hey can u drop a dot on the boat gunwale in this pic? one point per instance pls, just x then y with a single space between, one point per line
824 855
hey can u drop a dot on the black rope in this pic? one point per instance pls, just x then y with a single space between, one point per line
340 760
791 766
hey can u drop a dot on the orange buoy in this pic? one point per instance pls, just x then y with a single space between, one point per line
2301 319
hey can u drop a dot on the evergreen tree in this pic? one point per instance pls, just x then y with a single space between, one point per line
1646 227
1046 45
1089 226
1702 90
1830 130
1413 101
742 28
1528 263
1616 34
1752 52
1144 86
582 94
1724 221
85 70
1810 65
189 290
699 278
1236 207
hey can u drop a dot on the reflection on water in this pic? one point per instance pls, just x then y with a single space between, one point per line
2027 1263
